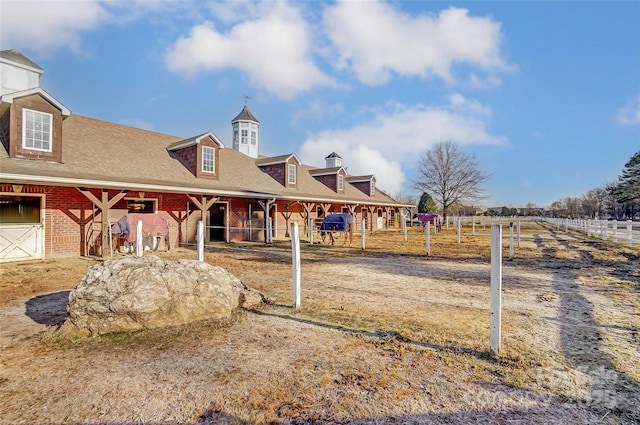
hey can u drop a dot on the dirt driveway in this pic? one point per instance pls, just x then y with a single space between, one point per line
384 336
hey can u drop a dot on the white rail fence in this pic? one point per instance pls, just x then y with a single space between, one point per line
624 232
608 230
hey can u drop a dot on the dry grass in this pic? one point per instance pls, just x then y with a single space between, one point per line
383 336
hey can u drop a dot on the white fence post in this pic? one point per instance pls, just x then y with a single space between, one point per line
615 230
363 231
312 225
428 232
496 287
473 226
511 240
404 227
518 233
269 232
295 261
458 230
139 239
629 232
200 240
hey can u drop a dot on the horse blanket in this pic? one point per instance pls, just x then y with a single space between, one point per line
436 219
336 223
152 225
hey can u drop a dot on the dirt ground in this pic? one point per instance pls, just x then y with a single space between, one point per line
383 336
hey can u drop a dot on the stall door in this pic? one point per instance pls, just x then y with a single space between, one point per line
21 233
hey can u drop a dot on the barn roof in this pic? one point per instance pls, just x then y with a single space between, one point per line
103 154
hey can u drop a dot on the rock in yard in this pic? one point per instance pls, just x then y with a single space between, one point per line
133 293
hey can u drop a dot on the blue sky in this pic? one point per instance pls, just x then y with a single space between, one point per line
546 95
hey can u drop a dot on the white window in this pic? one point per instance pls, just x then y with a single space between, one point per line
372 188
235 137
291 175
253 137
36 130
340 182
208 159
243 137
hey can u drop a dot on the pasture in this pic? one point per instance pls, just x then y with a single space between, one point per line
383 336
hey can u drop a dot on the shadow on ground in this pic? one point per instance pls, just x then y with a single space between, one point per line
49 309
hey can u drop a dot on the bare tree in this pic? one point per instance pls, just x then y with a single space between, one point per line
451 175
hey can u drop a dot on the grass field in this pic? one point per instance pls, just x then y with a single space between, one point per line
387 335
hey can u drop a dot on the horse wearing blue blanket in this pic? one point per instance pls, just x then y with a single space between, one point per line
342 222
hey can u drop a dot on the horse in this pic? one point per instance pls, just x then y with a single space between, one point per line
342 222
435 219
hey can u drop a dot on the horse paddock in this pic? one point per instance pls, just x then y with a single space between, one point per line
386 335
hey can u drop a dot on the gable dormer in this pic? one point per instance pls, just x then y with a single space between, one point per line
199 154
32 125
30 118
334 178
283 168
365 184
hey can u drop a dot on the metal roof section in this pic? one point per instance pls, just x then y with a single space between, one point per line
272 160
356 179
16 58
326 171
194 141
245 115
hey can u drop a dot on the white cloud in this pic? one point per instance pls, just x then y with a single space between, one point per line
274 50
397 135
48 25
630 113
378 40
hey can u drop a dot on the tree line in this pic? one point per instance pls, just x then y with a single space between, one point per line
619 200
450 180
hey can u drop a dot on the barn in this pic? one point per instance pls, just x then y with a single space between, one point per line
65 179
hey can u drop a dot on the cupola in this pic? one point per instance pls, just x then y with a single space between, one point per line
245 133
333 160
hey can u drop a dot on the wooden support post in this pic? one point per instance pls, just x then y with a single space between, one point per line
295 260
204 205
104 205
496 288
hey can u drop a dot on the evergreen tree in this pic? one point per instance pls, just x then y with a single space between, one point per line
627 190
427 205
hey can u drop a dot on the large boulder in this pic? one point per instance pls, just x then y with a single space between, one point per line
133 293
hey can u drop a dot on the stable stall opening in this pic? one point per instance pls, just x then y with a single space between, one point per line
21 229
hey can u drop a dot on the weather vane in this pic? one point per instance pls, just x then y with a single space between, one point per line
246 98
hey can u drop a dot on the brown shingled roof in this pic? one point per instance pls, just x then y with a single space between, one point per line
110 155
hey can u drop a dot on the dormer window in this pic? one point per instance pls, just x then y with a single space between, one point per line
36 130
340 182
291 175
208 159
